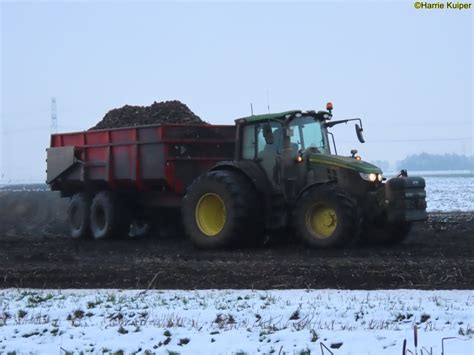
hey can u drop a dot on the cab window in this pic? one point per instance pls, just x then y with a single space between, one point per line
307 133
254 143
248 142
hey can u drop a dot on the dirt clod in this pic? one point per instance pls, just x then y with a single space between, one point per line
157 113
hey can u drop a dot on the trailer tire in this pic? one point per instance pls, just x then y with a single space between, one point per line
110 217
325 217
78 215
220 209
384 233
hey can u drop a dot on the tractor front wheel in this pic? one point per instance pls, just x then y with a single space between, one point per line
221 208
325 217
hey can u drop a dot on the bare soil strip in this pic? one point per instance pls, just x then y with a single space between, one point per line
36 252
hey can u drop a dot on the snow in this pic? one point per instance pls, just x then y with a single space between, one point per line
450 193
24 187
232 321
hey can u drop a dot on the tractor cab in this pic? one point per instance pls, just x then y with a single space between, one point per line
294 149
291 130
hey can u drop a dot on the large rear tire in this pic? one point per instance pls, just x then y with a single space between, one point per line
325 217
78 215
110 217
221 208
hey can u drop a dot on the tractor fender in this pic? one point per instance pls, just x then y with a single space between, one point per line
310 186
251 170
259 180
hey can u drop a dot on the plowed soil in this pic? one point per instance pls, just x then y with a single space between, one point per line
36 252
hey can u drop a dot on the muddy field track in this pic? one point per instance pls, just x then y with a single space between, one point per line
35 252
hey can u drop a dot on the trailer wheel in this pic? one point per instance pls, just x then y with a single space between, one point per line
110 217
325 217
384 233
221 208
78 214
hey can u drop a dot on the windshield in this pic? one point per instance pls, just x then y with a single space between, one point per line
307 132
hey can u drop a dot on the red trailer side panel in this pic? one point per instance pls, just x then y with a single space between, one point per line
144 157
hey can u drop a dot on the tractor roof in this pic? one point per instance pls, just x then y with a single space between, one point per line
269 116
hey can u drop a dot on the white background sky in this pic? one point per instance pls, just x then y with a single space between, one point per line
406 72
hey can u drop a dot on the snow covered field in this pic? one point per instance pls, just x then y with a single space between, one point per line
230 322
450 193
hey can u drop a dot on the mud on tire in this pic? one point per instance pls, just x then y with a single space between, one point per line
110 217
325 217
221 208
78 215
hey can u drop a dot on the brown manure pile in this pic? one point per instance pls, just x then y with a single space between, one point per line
157 113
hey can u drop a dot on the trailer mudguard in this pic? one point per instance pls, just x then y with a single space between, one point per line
59 159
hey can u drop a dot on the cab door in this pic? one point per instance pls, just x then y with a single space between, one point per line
266 155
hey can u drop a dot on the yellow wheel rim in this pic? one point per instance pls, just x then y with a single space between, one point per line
321 221
210 214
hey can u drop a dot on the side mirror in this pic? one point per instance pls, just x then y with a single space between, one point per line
267 133
359 131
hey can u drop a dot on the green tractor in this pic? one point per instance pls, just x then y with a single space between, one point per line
286 175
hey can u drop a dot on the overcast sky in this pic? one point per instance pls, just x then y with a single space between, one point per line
407 73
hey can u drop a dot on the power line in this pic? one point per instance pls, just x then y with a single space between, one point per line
40 128
423 140
419 124
25 115
414 140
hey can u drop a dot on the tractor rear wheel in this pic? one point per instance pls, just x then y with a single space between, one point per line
221 208
325 217
384 232
78 215
110 217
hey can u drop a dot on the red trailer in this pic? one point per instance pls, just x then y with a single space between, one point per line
150 166
155 157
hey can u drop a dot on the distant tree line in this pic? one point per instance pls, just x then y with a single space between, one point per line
425 161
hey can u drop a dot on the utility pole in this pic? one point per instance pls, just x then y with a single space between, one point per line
54 116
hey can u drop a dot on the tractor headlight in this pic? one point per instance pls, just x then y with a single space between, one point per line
371 177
